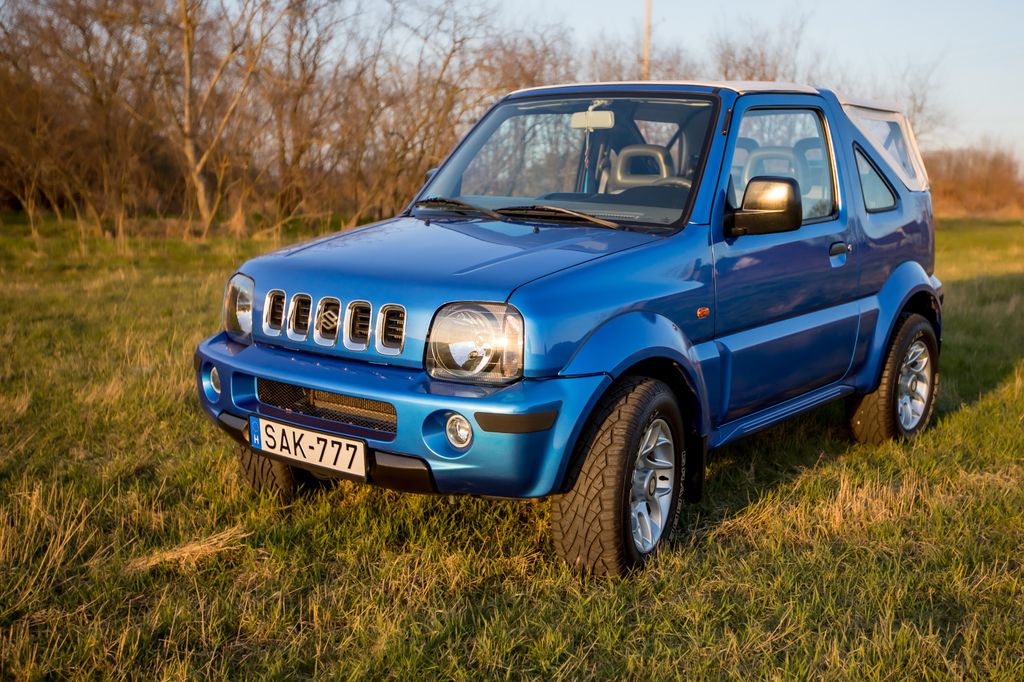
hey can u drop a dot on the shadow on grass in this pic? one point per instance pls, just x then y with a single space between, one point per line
983 337
983 341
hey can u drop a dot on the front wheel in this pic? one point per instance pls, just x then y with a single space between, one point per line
623 505
273 476
902 405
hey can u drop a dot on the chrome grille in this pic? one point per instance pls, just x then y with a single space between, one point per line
273 321
358 327
354 323
328 321
392 328
364 413
298 317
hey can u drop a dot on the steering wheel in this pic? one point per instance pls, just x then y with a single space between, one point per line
675 180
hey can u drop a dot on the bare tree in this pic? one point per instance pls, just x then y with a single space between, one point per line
219 51
26 127
421 97
917 91
980 180
88 51
614 58
747 52
33 128
318 51
509 61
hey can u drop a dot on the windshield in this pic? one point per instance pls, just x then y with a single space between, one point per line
634 161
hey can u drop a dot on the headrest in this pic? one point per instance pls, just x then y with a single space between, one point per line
621 177
797 165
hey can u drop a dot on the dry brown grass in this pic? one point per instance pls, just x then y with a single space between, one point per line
14 406
129 546
189 555
46 527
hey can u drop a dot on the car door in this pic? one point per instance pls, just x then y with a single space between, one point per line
786 321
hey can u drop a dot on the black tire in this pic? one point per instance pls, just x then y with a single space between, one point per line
591 524
270 475
873 417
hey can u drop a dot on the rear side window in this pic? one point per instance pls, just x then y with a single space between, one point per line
878 196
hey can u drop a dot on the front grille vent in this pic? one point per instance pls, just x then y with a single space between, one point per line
363 413
274 321
359 324
328 321
393 327
298 317
356 325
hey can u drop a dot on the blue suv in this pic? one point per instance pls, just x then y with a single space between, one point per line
601 284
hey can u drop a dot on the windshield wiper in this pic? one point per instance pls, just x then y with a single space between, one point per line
548 211
458 206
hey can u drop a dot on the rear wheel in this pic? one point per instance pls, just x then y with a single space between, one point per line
623 505
902 405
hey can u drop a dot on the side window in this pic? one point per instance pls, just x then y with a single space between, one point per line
789 143
878 196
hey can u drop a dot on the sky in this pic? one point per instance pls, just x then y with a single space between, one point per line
976 47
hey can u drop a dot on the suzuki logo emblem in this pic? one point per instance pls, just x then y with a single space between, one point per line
329 320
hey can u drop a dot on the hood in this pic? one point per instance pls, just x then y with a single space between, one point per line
421 266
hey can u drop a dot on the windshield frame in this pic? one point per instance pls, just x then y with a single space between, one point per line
660 229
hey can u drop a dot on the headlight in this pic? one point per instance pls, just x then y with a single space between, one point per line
480 342
237 317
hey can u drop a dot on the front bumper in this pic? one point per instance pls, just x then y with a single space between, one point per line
523 433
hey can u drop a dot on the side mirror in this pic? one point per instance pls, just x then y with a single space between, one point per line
770 205
429 174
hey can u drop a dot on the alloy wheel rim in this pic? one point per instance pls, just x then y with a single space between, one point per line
914 387
653 484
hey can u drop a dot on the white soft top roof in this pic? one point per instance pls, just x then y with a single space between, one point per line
865 103
739 87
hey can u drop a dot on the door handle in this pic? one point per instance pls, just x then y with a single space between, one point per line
839 248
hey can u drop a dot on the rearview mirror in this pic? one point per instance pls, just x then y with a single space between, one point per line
429 174
592 120
770 205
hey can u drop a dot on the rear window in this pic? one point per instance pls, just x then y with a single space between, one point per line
891 136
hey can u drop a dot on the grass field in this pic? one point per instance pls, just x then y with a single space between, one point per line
128 547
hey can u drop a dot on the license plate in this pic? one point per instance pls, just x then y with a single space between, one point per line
309 447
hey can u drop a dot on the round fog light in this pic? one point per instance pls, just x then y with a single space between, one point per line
459 432
215 380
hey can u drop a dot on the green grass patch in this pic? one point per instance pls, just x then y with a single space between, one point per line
128 547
